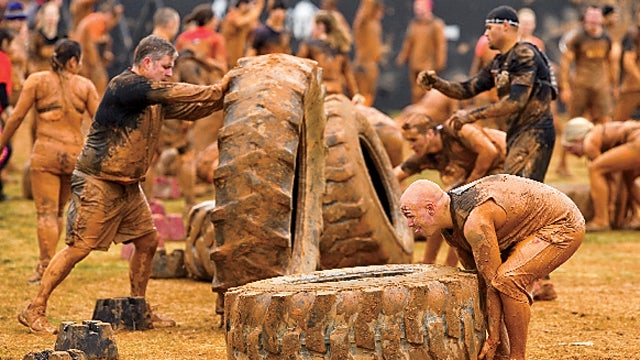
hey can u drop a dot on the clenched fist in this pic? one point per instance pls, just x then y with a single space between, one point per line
426 79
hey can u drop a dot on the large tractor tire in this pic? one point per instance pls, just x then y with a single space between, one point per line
361 203
269 181
388 132
199 241
373 312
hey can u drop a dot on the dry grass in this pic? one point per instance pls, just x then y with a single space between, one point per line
595 316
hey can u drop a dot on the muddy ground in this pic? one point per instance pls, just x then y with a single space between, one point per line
596 315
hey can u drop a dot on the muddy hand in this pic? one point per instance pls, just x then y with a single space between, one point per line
426 79
488 350
456 121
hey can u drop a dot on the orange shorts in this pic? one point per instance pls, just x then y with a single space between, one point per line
102 212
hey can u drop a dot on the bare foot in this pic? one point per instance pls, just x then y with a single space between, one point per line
596 227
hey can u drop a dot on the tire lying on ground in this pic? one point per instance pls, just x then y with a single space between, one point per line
199 241
371 312
361 207
269 180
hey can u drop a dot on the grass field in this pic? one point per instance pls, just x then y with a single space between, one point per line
596 315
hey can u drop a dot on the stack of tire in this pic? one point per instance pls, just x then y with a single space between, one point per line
303 182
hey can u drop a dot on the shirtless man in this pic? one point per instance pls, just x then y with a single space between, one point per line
238 25
511 230
93 35
611 147
460 158
367 31
107 204
61 98
424 46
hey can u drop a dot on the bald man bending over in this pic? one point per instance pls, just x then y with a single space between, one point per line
510 229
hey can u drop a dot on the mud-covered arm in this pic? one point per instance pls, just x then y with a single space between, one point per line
186 107
172 93
350 79
630 66
480 232
592 142
481 82
407 45
26 100
479 142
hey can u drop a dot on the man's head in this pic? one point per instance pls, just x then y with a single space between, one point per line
426 207
14 16
593 21
167 21
419 130
501 28
154 58
423 9
201 15
527 20
574 133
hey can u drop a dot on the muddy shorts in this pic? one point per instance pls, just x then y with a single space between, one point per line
536 257
529 153
102 212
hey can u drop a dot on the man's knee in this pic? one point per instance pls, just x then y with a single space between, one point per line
512 286
147 242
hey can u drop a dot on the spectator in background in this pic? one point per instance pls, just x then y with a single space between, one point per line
15 19
272 36
329 46
237 26
527 18
93 35
424 46
5 90
203 40
44 37
332 7
629 90
587 90
367 31
80 9
166 23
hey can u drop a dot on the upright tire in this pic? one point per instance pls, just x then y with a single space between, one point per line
199 242
373 312
361 203
388 132
269 181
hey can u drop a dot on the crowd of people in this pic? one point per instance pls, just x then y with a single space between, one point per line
503 119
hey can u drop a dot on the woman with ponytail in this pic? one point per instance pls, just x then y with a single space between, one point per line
62 100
